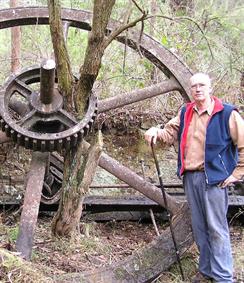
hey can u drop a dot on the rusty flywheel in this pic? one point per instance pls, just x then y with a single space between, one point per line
37 120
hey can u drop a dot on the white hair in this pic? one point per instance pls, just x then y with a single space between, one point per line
202 75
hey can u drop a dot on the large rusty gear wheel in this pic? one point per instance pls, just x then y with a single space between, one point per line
158 55
37 125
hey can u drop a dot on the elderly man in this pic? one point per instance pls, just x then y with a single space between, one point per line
210 158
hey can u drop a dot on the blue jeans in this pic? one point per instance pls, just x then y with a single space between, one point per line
208 205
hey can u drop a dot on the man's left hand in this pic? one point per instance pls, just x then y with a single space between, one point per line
227 182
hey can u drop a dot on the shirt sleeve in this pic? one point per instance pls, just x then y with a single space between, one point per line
236 124
170 131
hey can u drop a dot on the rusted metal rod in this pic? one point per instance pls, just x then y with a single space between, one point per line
125 186
47 81
31 205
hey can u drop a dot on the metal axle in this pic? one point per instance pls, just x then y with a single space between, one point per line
47 81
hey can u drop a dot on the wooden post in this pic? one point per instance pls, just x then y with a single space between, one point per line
15 43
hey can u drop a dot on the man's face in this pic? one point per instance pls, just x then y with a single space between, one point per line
200 87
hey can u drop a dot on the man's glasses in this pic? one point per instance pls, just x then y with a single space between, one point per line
197 86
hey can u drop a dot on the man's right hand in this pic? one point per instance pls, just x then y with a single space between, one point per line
151 135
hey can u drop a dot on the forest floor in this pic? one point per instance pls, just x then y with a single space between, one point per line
97 245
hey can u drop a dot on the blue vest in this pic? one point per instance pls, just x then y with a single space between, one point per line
221 154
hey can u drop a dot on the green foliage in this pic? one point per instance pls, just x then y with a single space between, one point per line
36 45
208 37
76 44
165 41
11 262
13 234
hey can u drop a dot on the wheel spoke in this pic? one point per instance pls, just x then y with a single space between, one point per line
22 88
28 120
66 119
138 95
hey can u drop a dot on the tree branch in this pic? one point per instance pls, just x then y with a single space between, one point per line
119 30
137 6
176 19
93 57
122 28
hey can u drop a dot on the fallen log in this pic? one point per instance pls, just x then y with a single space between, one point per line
15 269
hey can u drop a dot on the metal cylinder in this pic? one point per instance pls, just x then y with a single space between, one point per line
47 81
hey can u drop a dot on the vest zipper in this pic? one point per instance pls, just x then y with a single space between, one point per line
205 170
222 161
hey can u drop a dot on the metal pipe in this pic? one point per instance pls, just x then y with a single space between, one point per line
166 207
125 186
47 81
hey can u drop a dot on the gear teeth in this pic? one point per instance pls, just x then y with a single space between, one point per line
90 126
27 143
51 146
74 140
20 139
13 135
67 143
41 139
2 125
91 123
43 146
35 145
81 135
59 145
86 130
7 130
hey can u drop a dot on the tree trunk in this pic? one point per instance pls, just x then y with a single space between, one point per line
75 186
15 43
64 72
76 166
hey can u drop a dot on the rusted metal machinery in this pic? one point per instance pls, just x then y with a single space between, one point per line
37 120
